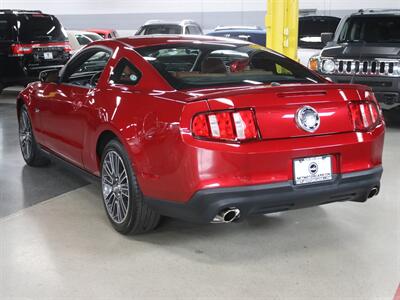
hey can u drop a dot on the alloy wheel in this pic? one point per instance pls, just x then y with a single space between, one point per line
25 135
115 187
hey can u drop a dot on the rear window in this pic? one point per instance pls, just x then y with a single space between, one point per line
160 29
371 29
310 29
5 30
191 66
40 28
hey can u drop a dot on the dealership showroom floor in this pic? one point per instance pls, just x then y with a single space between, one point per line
56 242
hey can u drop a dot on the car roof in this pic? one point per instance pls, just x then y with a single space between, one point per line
378 12
155 40
230 28
162 22
80 32
20 11
250 31
103 31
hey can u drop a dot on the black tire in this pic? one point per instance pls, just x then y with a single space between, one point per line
1 87
138 217
32 154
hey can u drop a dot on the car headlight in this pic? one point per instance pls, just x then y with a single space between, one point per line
313 63
328 66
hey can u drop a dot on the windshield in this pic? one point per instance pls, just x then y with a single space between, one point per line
40 28
310 29
191 65
371 29
161 29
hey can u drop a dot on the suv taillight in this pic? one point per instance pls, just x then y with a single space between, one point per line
232 126
21 49
67 48
366 115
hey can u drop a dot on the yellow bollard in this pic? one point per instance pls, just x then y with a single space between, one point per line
282 26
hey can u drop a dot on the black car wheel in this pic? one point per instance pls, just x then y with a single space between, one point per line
122 197
31 151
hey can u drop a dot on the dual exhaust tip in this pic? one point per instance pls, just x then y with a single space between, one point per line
373 192
227 215
231 214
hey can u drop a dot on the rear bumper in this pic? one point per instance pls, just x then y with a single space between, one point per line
268 198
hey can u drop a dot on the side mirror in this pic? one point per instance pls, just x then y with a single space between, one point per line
49 76
326 37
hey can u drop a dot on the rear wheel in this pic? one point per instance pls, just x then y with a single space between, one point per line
30 150
122 197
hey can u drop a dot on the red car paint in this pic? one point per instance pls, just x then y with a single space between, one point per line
153 122
105 33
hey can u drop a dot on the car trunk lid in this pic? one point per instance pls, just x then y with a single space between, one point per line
276 108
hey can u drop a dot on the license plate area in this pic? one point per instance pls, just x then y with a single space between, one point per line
48 55
310 170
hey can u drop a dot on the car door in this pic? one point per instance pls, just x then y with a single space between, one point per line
64 108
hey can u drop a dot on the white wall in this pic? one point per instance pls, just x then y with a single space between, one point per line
72 7
128 15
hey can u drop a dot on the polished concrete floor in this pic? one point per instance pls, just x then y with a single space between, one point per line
64 247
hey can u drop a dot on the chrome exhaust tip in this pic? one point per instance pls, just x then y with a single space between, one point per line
373 192
227 215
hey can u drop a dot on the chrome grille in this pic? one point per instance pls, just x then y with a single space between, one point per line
376 67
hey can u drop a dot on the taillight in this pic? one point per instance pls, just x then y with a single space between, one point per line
365 115
67 48
21 49
234 126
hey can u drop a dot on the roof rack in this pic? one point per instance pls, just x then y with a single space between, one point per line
13 11
363 11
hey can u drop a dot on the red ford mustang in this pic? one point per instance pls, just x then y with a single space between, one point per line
203 129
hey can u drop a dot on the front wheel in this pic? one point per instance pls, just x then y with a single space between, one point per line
122 197
30 150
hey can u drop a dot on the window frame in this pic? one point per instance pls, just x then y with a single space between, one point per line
78 60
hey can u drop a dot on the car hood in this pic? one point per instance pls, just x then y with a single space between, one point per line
362 50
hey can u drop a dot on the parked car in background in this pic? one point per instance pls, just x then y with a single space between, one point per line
30 41
184 27
79 39
365 50
203 129
253 34
105 33
310 29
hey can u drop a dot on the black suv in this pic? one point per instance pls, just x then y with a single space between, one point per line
365 49
30 42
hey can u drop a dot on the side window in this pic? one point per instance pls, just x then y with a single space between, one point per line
187 30
5 30
95 63
86 68
194 30
82 40
125 73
